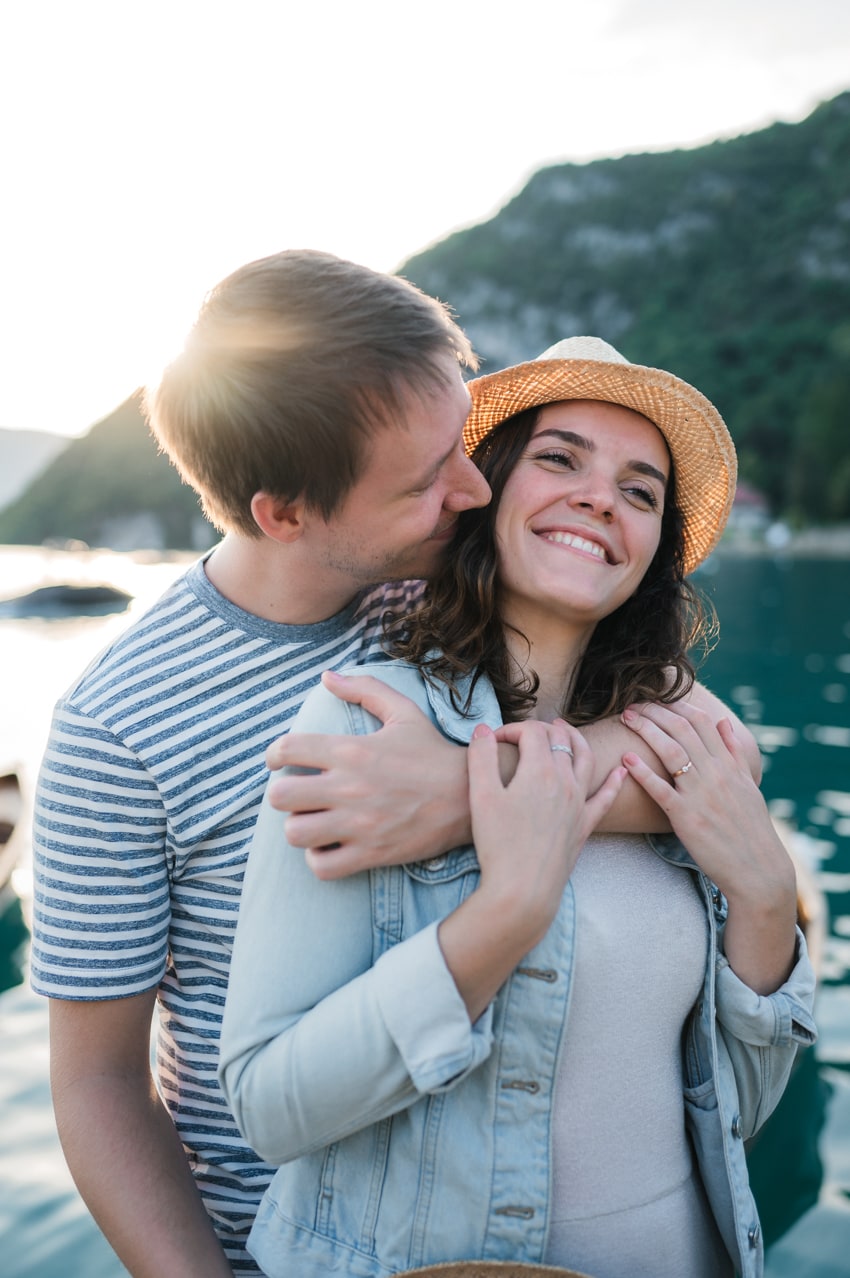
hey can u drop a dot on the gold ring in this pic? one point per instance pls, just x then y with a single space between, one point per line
683 770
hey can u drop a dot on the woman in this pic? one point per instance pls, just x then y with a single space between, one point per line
549 1046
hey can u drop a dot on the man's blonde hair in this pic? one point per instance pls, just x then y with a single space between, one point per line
291 364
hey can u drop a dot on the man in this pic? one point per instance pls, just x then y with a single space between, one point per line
318 410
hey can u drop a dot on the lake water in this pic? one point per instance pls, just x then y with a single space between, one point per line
783 662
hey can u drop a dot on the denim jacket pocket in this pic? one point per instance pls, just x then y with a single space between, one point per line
442 869
408 898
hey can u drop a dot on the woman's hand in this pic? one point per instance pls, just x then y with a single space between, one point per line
528 835
718 812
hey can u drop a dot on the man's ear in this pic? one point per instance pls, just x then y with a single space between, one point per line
280 520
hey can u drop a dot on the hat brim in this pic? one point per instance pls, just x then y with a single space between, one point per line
700 444
490 1269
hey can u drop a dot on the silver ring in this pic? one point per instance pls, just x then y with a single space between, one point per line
683 770
566 749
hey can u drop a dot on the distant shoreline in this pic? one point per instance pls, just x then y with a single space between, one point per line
832 541
829 542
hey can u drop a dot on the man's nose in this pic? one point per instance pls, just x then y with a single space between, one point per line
469 487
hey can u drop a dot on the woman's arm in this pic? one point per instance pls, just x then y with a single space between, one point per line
764 983
764 1033
319 1039
719 813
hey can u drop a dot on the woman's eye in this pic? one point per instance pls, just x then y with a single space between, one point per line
644 495
560 459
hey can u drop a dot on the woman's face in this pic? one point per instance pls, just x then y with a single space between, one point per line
579 519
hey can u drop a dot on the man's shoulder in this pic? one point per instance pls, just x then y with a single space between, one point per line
196 660
173 614
390 596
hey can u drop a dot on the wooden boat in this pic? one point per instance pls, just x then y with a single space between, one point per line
66 600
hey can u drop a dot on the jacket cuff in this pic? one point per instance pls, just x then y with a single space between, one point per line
779 1019
426 1016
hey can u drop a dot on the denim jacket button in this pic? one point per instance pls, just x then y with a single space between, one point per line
737 1127
522 1213
437 862
754 1235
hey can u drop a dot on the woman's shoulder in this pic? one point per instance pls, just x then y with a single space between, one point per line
323 711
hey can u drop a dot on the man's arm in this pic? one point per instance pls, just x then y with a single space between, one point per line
402 794
702 699
120 1143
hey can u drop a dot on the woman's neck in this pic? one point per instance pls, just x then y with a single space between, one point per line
553 652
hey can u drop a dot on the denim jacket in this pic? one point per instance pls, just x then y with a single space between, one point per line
407 1135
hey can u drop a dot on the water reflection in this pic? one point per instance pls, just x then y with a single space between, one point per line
14 938
783 662
790 1143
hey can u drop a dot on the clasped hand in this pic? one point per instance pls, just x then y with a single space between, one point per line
528 834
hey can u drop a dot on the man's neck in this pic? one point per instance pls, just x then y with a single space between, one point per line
268 581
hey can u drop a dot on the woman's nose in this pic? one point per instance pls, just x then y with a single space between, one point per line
594 495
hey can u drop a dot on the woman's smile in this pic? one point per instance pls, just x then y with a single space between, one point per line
577 542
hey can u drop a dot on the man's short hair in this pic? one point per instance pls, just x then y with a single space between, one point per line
291 364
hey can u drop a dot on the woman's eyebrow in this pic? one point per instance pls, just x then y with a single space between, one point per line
652 472
568 437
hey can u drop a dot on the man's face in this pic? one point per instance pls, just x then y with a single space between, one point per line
399 517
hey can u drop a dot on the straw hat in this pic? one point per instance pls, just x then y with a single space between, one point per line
490 1269
588 368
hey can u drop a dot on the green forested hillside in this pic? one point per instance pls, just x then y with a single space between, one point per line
728 264
109 488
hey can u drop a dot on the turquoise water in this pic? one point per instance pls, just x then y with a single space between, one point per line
784 662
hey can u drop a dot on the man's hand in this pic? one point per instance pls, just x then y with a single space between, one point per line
392 796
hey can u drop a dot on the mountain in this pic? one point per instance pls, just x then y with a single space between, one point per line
728 264
110 488
23 453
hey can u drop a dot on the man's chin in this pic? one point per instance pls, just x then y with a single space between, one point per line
433 556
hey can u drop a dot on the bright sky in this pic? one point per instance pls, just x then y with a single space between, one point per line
150 148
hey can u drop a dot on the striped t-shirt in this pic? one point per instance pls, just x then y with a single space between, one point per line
148 793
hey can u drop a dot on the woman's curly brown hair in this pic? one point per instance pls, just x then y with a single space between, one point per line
638 653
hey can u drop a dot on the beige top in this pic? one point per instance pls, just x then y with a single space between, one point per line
627 1199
